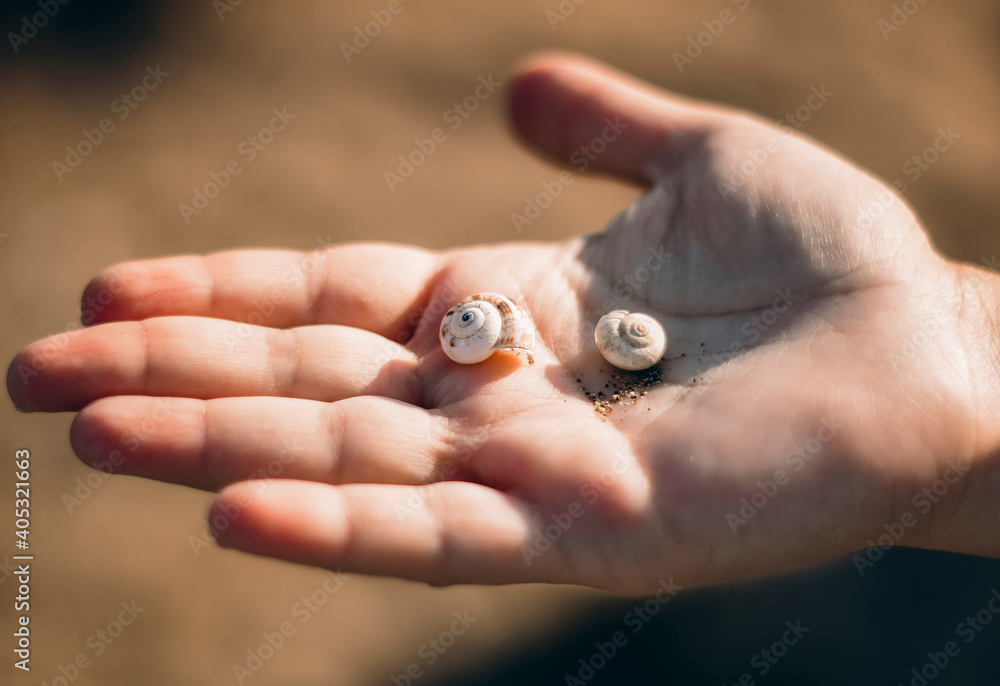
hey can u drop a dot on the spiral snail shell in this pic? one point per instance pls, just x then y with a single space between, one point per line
481 324
630 340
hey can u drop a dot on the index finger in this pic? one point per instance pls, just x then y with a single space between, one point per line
368 286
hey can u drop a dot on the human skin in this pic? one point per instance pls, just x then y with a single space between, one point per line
874 378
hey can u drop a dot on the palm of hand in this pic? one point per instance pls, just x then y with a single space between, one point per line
786 291
774 286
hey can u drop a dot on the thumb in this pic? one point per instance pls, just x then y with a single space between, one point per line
590 116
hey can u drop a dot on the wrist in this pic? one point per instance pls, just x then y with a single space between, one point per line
970 522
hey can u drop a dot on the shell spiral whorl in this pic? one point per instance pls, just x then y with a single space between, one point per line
481 324
630 340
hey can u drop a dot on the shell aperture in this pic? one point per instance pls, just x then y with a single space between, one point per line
475 328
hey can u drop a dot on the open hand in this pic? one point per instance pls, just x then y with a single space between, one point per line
821 369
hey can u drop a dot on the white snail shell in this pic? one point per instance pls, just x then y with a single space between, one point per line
481 324
630 340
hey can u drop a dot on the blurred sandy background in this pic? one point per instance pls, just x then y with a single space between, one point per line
321 180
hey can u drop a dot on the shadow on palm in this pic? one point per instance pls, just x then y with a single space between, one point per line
771 264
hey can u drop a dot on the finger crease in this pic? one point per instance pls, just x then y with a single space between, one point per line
206 460
147 358
445 542
292 383
335 431
212 293
317 286
350 539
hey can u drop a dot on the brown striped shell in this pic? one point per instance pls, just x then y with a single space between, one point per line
481 324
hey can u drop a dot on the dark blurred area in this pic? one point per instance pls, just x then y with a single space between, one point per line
71 33
63 68
840 628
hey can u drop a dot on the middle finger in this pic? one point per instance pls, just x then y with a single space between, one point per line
205 358
210 443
